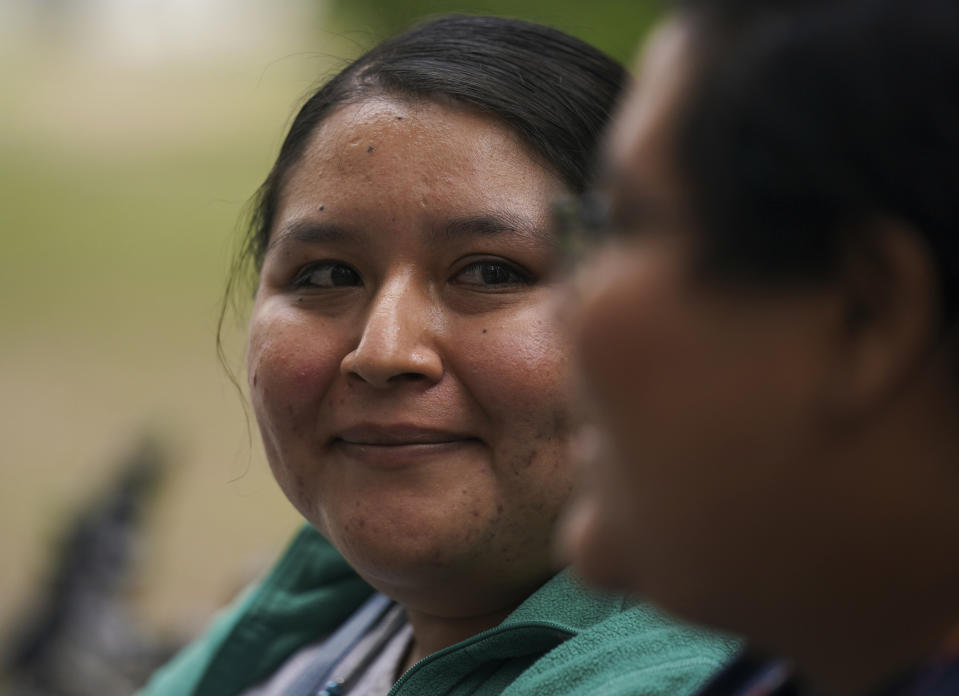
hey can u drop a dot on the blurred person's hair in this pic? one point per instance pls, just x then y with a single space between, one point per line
552 90
805 121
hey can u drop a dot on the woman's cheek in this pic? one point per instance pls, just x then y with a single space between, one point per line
518 367
517 373
291 364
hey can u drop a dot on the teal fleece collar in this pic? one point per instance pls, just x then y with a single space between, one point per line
563 639
312 590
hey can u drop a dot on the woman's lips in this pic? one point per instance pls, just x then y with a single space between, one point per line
398 445
397 435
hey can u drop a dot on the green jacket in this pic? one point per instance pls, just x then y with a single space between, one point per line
563 639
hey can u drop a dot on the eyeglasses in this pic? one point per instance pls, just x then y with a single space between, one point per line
582 223
585 222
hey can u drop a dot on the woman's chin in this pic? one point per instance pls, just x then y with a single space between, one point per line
445 574
400 553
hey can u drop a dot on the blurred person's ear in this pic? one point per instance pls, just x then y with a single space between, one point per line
889 318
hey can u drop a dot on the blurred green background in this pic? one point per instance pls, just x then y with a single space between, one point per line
132 133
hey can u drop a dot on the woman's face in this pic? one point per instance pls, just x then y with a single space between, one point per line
406 371
709 398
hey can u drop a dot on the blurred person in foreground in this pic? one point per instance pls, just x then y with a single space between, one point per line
410 383
769 340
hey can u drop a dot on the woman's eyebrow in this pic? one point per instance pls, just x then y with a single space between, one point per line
309 232
487 225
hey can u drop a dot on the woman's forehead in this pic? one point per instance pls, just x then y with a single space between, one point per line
379 153
431 122
401 159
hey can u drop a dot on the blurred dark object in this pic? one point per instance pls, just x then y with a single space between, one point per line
80 639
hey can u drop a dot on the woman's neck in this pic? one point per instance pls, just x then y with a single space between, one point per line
432 633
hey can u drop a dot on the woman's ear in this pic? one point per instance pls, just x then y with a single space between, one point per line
890 302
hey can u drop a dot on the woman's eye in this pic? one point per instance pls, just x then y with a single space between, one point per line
492 273
326 274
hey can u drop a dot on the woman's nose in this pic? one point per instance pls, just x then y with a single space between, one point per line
398 340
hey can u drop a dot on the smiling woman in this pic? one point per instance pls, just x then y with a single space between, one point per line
418 444
409 378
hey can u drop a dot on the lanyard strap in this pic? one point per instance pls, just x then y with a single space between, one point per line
315 681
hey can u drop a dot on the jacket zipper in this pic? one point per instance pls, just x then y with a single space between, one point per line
407 675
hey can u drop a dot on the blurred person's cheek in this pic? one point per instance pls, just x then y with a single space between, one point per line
626 346
592 534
